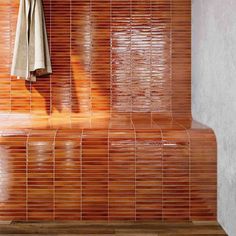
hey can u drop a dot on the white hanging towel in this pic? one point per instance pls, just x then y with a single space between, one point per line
31 53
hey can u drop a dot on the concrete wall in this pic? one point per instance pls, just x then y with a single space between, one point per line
214 92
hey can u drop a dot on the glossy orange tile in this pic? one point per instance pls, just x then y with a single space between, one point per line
109 135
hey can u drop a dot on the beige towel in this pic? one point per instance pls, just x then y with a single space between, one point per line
31 53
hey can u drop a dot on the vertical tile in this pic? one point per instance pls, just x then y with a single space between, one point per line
100 54
121 81
60 55
161 84
68 175
203 175
40 175
121 175
13 196
141 55
95 175
149 175
181 57
176 183
81 56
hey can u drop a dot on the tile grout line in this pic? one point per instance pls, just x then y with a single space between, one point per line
108 174
189 165
27 169
135 166
81 175
151 54
171 55
111 103
90 61
10 51
162 169
162 175
54 174
111 57
190 182
50 76
131 46
70 76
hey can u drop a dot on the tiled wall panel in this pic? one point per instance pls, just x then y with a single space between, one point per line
141 54
100 54
161 54
81 56
181 57
121 80
107 55
61 56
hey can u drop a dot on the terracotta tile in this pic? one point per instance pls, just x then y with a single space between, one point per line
109 135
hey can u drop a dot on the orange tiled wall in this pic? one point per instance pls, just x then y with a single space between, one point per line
130 57
107 55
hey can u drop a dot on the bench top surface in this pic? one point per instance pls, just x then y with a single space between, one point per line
103 121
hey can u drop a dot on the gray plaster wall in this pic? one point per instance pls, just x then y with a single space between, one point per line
214 92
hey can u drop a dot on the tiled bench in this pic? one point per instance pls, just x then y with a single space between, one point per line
120 166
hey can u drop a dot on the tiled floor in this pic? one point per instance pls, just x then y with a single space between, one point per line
107 229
